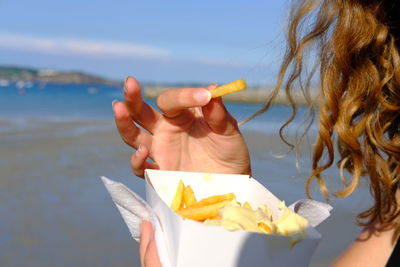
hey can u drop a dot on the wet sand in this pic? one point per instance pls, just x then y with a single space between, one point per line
56 212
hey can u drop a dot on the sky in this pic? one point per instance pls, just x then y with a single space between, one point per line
155 41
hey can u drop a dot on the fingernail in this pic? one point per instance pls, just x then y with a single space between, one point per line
202 96
113 103
139 151
126 80
213 84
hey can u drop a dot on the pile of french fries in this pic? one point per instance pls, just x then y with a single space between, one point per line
224 210
186 205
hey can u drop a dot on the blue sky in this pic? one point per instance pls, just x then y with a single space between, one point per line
159 41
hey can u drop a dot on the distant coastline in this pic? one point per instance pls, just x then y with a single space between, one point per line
254 94
52 76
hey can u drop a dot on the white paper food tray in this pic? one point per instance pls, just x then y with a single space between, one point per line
194 244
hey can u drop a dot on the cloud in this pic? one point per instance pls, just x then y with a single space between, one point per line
92 48
218 62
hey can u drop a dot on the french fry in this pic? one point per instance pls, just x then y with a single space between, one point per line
177 201
188 196
247 205
214 199
228 88
267 228
201 213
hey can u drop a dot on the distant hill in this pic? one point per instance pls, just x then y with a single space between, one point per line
47 75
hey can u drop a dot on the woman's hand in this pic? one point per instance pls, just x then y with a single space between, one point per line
147 248
193 132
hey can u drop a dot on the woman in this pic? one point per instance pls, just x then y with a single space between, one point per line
357 48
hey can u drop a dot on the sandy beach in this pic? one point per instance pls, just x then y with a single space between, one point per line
56 212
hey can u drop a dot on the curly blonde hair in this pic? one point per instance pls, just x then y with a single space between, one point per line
355 44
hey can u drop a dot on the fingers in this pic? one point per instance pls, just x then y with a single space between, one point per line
142 113
218 118
176 101
146 234
147 248
151 258
134 137
139 163
129 132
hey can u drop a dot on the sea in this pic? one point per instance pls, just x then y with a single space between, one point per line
56 140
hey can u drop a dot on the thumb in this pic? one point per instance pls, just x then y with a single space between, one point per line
151 258
147 248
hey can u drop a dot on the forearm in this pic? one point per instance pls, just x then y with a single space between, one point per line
372 248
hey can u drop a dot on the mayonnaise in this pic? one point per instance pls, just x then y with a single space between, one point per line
235 217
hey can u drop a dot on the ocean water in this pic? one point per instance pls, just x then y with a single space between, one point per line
57 140
74 102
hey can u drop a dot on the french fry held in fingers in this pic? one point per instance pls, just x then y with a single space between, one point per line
228 88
